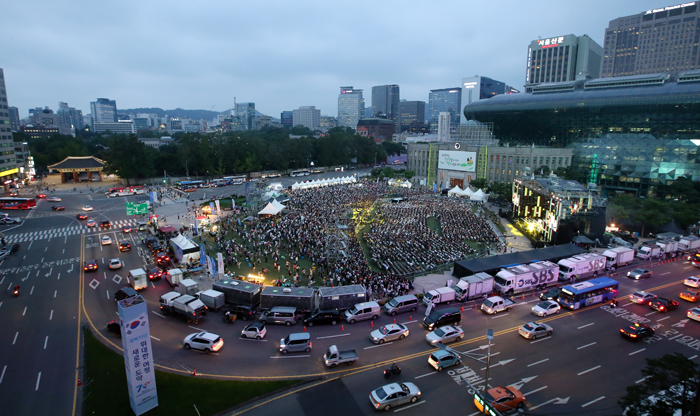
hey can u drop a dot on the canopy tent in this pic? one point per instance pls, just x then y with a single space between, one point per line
582 239
467 191
278 205
324 182
271 209
167 229
479 196
399 182
456 191
185 249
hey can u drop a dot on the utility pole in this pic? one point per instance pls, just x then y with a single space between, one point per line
489 336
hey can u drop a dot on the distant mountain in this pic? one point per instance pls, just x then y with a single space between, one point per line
178 112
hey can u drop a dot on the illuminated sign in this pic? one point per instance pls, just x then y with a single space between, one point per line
9 172
529 60
470 84
665 9
550 42
461 161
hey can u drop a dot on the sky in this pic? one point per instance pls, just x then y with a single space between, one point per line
278 54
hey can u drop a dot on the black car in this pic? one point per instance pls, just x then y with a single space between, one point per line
105 224
124 245
663 305
152 242
157 249
14 248
113 327
58 207
324 317
155 273
162 259
90 266
240 311
637 331
125 293
551 294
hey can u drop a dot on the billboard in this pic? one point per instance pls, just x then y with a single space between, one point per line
462 161
138 354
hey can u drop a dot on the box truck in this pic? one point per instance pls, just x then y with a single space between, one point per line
524 277
581 266
649 251
239 292
439 295
138 279
302 298
341 297
479 285
213 299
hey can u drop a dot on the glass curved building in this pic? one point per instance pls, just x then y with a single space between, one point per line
557 114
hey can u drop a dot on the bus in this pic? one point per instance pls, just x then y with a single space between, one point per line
299 172
215 183
17 203
235 180
189 186
126 191
590 292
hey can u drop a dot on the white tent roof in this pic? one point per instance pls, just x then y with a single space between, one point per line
277 204
183 242
467 191
479 193
456 190
270 209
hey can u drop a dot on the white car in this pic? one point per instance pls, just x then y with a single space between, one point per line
54 199
692 281
694 314
255 330
11 220
533 330
115 264
546 307
445 334
106 240
394 394
205 341
388 333
87 208
642 297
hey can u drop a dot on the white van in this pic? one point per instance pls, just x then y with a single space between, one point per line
363 311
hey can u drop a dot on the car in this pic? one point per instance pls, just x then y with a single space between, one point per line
394 394
105 224
205 341
127 229
388 333
642 297
692 281
82 216
332 317
243 312
551 294
255 330
115 264
157 249
663 304
142 226
91 223
13 248
90 266
41 195
442 359
694 314
11 220
113 327
444 334
691 295
105 240
87 208
54 199
546 307
534 330
637 331
162 258
4 253
124 245
638 274
58 207
502 399
155 273
151 242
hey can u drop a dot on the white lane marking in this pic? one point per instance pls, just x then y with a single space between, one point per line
581 327
584 346
693 357
689 267
659 320
334 336
15 340
194 327
157 339
55 292
107 293
589 370
152 284
30 245
676 336
534 391
3 278
46 341
9 286
59 276
650 313
38 379
593 401
425 375
252 339
31 291
162 316
408 322
539 340
641 379
628 304
409 406
3 374
538 362
638 351
381 345
51 316
293 356
25 311
499 316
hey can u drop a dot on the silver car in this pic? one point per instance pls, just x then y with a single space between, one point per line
389 333
445 334
534 330
394 394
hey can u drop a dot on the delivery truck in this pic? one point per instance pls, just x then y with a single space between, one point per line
581 266
138 279
439 295
476 286
239 292
188 307
619 256
174 276
302 298
212 299
669 248
689 242
649 251
187 287
340 297
525 277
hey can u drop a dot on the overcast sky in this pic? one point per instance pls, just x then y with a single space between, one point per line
278 54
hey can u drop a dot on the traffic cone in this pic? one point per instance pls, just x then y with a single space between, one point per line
410 317
462 308
394 320
304 328
342 328
80 383
194 372
371 324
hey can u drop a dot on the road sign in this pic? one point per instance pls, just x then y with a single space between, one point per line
132 208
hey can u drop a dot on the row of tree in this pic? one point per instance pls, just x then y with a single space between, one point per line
644 213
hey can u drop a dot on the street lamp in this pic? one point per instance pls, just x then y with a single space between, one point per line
489 336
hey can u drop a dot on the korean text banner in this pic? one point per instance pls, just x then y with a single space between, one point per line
461 161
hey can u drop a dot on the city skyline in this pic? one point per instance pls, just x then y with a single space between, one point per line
302 54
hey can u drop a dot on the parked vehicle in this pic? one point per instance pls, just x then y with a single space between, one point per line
302 298
125 293
689 242
324 317
334 356
187 287
213 299
239 292
401 304
476 286
138 278
285 315
649 251
439 295
669 248
496 304
522 278
255 330
341 297
174 277
187 306
363 311
619 256
581 266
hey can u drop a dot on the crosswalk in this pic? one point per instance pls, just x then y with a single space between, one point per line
65 231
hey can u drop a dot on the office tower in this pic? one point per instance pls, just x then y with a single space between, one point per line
411 112
351 107
653 41
14 118
307 116
328 122
70 117
385 103
9 170
287 118
444 100
103 110
479 88
562 58
246 111
46 117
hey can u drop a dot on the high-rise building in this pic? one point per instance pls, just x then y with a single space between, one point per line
14 118
103 110
246 111
653 41
9 170
385 103
287 118
70 116
444 100
479 88
562 58
328 122
411 112
351 107
307 116
46 117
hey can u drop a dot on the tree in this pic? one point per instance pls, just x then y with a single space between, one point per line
479 183
129 158
652 212
674 374
622 207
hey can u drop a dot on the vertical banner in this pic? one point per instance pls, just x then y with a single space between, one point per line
233 203
138 354
247 193
211 207
434 187
218 207
153 197
202 255
210 265
220 258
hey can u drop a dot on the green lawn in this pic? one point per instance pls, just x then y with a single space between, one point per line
105 392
